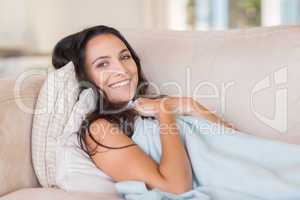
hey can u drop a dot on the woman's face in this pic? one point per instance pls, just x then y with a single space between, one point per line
111 67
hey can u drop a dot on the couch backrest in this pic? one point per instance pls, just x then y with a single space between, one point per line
241 74
248 76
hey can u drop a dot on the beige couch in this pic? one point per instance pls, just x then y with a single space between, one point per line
250 77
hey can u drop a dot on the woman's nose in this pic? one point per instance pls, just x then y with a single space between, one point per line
119 67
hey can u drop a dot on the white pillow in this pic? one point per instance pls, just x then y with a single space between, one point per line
57 159
54 104
75 171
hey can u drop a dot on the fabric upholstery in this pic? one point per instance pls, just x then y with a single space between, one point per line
224 69
56 194
16 169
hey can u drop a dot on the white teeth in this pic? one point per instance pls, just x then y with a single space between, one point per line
120 84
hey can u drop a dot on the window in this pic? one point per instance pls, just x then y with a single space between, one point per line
229 14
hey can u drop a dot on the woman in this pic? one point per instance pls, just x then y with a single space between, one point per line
104 60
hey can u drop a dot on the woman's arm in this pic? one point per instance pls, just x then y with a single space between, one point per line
175 164
173 173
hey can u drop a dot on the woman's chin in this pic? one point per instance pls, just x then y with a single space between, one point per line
123 97
123 94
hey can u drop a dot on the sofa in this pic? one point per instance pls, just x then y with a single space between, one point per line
249 77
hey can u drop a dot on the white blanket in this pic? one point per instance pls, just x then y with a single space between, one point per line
226 165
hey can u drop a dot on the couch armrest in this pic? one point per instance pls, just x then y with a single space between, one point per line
16 170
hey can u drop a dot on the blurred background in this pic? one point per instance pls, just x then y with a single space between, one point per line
30 28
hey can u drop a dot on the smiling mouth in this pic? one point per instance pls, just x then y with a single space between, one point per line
120 83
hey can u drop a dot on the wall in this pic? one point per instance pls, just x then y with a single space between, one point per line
53 19
13 21
37 24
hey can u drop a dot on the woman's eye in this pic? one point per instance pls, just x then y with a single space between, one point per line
126 57
102 64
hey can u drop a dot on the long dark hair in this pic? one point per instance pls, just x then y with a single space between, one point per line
72 48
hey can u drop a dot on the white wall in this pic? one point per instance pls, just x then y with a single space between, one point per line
177 14
13 23
270 12
52 19
38 24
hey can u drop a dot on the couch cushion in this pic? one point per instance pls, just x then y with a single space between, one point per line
17 100
56 194
248 76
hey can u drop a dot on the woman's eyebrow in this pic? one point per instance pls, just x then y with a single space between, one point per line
102 57
123 50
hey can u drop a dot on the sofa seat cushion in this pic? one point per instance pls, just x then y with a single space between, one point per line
57 194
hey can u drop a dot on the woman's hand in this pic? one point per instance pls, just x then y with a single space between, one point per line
154 107
199 110
182 105
189 106
169 104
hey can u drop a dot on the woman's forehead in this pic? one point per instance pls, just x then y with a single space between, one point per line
105 45
106 42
